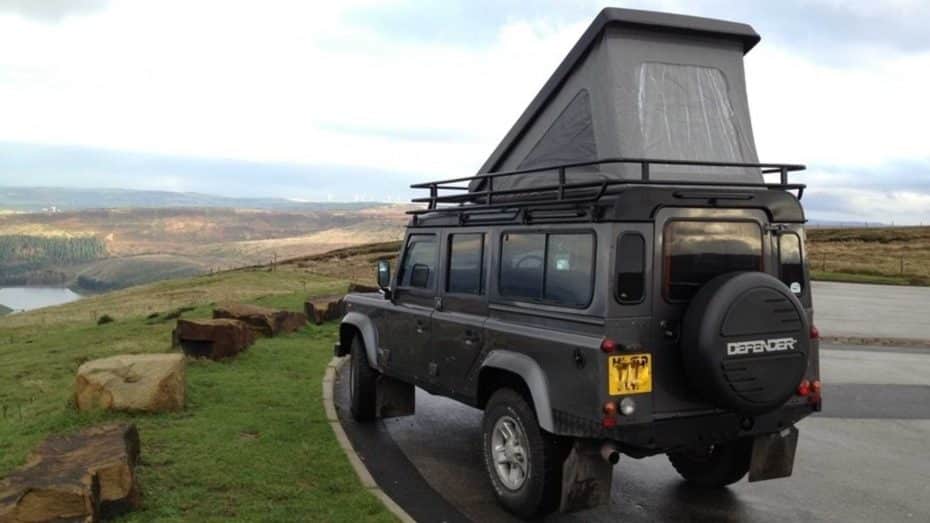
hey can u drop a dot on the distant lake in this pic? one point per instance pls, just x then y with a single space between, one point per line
29 298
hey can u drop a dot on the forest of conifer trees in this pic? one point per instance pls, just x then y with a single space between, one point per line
32 259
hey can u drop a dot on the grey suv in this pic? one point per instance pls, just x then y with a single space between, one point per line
620 278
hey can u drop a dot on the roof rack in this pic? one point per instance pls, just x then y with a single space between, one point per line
571 195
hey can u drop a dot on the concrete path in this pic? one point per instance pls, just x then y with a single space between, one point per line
863 459
872 311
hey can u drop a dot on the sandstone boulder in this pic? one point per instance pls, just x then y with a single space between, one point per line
138 382
289 321
262 320
215 339
78 477
321 310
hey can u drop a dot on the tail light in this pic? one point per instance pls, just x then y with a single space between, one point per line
815 332
610 409
804 388
610 415
608 345
814 399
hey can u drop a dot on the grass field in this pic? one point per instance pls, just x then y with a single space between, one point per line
253 442
895 256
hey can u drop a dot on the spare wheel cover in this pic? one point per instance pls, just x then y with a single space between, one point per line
745 340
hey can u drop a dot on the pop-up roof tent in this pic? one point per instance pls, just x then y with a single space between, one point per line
639 84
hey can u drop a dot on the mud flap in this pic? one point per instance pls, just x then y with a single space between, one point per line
393 398
773 455
586 478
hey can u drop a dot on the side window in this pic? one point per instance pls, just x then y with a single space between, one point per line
631 268
554 268
792 266
569 262
466 257
419 267
522 260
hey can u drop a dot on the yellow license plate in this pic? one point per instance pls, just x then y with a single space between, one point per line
630 374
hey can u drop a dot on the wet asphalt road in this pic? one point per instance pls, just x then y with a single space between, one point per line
866 457
879 311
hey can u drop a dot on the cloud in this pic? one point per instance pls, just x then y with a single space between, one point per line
77 167
51 10
842 32
470 24
288 91
856 205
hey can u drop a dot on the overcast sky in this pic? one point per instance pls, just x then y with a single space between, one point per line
356 99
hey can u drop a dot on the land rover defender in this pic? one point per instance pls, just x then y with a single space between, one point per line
622 277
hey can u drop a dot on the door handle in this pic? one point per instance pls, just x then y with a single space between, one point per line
420 327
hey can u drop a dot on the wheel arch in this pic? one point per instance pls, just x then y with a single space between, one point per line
505 368
357 324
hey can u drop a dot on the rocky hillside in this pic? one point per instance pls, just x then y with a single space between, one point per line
104 249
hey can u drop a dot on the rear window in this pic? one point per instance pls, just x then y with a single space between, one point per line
553 268
697 251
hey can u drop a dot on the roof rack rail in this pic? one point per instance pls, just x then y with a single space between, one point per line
566 194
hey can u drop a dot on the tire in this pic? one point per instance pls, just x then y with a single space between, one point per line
543 454
362 380
723 464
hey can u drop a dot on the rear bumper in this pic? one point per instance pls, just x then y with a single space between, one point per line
660 436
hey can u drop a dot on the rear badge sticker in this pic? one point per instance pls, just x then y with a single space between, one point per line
740 348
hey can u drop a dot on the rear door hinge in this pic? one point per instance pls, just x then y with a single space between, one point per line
775 228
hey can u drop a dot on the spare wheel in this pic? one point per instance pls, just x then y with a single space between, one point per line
744 341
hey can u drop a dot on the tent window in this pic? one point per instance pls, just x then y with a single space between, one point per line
685 114
569 139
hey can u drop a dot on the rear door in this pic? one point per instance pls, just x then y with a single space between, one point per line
458 323
692 246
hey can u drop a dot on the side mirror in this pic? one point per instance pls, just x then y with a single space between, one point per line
384 276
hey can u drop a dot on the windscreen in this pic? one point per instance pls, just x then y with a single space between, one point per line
697 251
